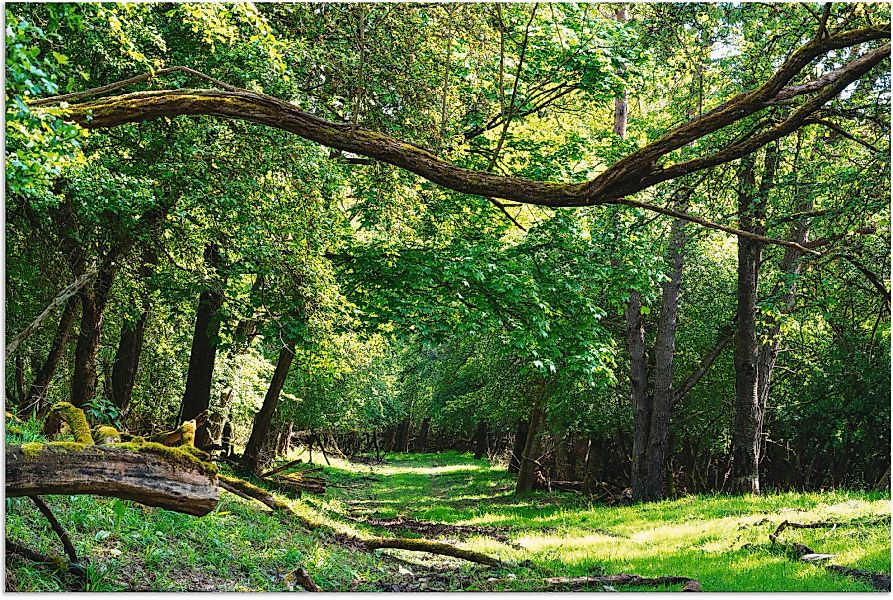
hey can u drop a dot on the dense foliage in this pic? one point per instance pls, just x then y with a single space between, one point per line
422 318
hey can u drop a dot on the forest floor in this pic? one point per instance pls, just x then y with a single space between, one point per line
722 541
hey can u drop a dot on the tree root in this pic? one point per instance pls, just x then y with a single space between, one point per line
773 537
688 584
879 581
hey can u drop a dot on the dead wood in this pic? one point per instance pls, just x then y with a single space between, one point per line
74 568
689 584
303 579
57 528
69 291
419 545
147 473
773 537
281 468
249 491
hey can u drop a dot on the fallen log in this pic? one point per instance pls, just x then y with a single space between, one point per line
419 545
147 473
688 584
249 491
773 537
65 413
281 468
879 581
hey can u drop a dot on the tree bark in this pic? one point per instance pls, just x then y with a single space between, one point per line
37 392
638 383
155 477
421 440
93 303
664 350
528 465
262 420
518 445
401 443
197 396
19 368
747 434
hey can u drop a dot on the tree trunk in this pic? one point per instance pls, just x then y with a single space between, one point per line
421 440
262 420
84 380
518 446
197 397
638 384
527 468
592 476
20 378
127 358
480 440
38 390
401 443
664 350
747 434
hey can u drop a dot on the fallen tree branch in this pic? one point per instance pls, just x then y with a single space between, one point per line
74 568
249 491
773 537
57 528
419 545
69 291
689 584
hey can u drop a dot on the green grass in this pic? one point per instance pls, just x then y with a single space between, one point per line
720 540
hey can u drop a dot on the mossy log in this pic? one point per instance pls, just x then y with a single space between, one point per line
148 473
246 490
184 435
68 414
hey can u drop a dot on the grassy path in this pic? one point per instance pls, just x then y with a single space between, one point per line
721 541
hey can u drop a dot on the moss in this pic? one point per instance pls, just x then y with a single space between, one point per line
75 419
31 449
179 455
13 430
107 435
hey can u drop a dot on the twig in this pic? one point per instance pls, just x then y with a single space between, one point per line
57 527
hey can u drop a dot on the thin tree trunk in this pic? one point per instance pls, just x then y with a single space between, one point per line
262 420
38 389
747 434
664 350
197 396
421 440
518 446
20 377
527 469
638 378
84 379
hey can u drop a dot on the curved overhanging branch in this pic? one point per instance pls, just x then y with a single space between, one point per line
634 173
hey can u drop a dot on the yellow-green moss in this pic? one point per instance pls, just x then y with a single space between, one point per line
180 455
75 419
107 435
33 449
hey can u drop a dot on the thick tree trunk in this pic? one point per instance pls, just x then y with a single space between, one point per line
527 468
421 440
151 476
127 359
264 417
664 350
518 446
747 434
401 444
38 390
480 439
84 379
197 397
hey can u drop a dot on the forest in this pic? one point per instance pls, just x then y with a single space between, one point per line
447 296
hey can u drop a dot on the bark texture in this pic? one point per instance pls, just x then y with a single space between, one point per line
260 429
38 389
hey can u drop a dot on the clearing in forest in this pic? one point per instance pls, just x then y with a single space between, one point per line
720 541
